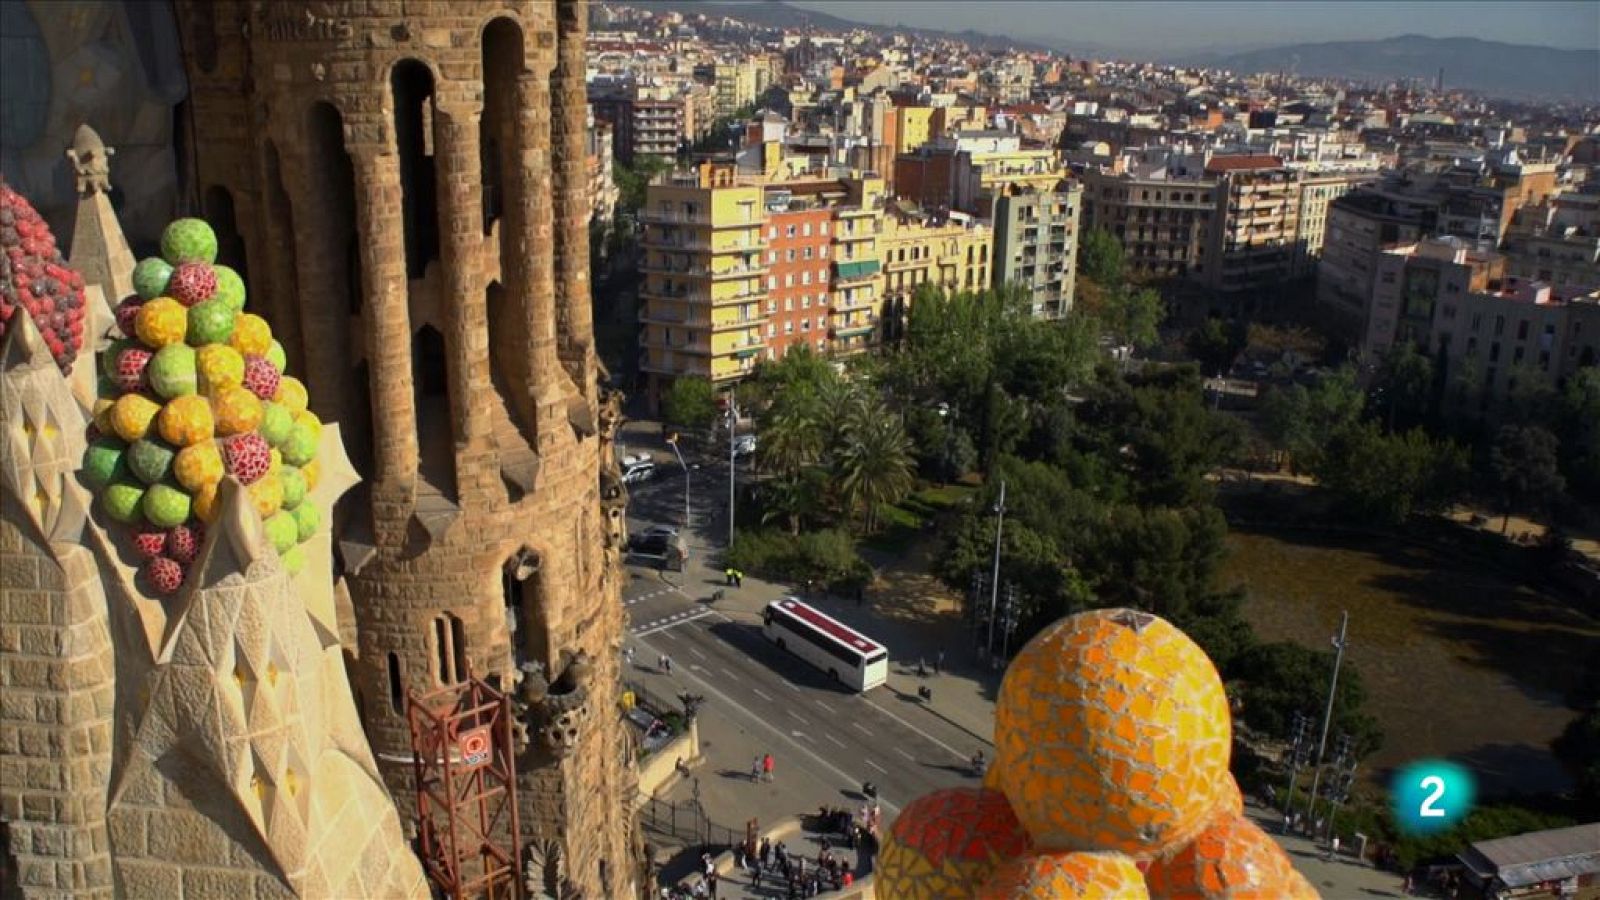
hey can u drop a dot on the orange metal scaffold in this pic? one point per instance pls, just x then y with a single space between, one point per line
466 781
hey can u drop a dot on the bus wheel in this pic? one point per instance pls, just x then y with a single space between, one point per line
781 645
834 674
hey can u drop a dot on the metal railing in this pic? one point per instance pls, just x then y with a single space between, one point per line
685 823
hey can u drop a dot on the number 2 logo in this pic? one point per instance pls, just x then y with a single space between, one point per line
1428 811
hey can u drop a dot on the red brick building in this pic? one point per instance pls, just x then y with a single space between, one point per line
797 278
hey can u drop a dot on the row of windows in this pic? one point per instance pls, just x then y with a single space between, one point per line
805 279
789 231
821 252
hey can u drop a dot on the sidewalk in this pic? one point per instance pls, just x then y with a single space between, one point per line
1344 876
735 882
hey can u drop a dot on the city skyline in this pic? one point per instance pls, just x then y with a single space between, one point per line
1168 27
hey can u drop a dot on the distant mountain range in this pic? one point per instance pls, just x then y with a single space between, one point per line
1491 67
777 14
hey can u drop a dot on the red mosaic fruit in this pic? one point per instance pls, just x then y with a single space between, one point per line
261 377
947 843
149 542
1231 860
192 283
165 575
131 363
247 457
183 542
34 278
127 313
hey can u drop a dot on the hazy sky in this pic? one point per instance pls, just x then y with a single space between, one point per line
1200 25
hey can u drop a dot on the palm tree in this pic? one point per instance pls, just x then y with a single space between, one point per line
792 499
874 462
792 439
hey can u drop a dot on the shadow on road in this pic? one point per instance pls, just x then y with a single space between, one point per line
748 640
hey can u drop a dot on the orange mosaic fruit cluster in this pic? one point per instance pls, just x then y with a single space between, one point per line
1233 859
1113 734
1066 876
945 844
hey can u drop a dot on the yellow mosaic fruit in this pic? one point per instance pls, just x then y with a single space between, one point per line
311 422
162 321
267 495
292 395
1232 860
312 471
220 367
251 335
102 415
945 844
187 420
132 414
204 504
1232 801
237 410
1066 876
1113 734
198 466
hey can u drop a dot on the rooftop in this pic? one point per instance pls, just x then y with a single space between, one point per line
1526 859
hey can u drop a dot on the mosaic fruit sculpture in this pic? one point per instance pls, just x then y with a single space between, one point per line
1114 734
1232 860
1066 876
1113 739
196 391
946 843
34 279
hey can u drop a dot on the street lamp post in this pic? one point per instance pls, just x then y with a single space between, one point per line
947 416
673 443
733 428
1327 715
994 580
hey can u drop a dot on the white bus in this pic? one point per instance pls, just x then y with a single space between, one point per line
848 656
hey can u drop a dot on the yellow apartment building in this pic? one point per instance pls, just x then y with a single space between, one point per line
913 127
953 252
701 300
856 298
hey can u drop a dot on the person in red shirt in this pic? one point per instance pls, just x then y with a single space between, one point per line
766 766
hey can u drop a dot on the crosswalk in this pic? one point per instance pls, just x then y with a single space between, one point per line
659 592
665 622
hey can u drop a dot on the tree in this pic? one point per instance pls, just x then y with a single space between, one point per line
1524 462
1407 379
1578 748
1279 679
1577 424
874 464
1215 345
1387 478
792 438
1133 316
1100 258
690 403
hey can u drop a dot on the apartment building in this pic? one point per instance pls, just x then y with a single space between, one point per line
1252 244
857 301
1036 243
1162 222
1567 259
951 251
1360 224
1317 191
734 86
963 170
799 271
704 273
1487 331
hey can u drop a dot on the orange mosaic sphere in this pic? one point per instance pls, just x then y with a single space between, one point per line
267 495
1231 860
292 394
205 503
1112 734
132 415
162 321
187 420
1231 803
237 410
1065 876
198 465
251 335
946 843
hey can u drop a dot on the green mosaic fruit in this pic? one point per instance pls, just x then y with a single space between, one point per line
150 460
189 240
150 277
230 288
166 506
172 370
307 517
276 423
294 486
301 447
294 560
282 531
102 462
211 322
123 499
276 356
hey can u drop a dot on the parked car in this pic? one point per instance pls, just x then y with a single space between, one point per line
639 472
654 539
744 445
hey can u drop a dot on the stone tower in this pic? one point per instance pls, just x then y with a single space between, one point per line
403 184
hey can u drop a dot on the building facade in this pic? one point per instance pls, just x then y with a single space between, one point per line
1163 224
951 252
411 192
798 273
1253 244
1036 244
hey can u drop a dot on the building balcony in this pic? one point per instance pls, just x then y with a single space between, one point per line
856 270
675 217
697 295
849 331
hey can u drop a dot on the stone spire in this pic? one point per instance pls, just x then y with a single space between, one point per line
99 249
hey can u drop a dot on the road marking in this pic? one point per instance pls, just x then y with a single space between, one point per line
697 653
905 754
758 693
843 776
830 737
825 706
953 751
728 672
661 625
864 729
800 717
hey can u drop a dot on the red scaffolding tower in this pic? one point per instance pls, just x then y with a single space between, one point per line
466 780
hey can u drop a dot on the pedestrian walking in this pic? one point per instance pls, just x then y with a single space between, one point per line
710 866
627 654
766 851
666 664
755 769
727 575
755 875
766 769
938 662
738 578
711 883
